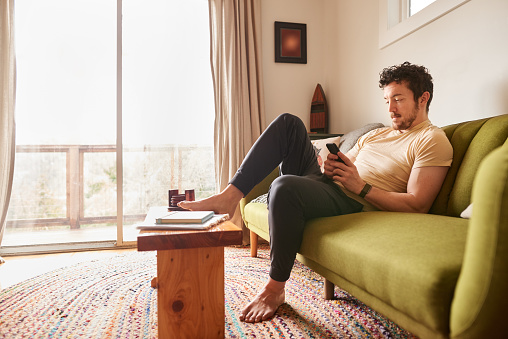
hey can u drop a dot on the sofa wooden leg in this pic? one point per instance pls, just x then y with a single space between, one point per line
253 244
329 289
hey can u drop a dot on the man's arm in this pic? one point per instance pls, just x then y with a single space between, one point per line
422 188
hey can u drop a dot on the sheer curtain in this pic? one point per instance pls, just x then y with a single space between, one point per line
7 90
235 30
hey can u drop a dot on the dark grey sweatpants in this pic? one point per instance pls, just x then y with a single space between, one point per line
301 192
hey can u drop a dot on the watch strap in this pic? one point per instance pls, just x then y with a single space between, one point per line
366 189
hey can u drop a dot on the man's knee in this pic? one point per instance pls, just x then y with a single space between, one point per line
284 189
290 120
286 116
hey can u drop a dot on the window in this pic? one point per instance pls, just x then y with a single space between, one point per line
101 135
168 112
399 18
417 5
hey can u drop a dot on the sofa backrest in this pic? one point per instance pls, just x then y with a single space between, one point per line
471 141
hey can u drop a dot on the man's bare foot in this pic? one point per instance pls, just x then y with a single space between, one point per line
266 303
223 203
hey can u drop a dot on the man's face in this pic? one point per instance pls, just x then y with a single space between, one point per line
401 105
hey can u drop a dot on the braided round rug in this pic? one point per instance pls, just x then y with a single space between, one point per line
112 298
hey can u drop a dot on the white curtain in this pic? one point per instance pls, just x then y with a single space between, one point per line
235 55
235 28
8 93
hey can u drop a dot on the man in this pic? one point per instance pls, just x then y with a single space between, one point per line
397 168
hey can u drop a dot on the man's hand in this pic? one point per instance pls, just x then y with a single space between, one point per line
345 173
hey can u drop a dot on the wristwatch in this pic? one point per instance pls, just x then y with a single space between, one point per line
366 189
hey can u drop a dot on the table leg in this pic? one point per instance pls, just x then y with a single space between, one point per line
191 293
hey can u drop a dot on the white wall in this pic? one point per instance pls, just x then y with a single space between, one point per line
466 52
352 70
289 87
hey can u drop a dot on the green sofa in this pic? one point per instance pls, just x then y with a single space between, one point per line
437 275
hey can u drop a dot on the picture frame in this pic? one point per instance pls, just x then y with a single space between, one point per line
290 42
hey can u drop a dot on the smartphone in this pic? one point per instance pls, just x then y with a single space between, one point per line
332 147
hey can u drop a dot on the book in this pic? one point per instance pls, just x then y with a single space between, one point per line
150 225
185 217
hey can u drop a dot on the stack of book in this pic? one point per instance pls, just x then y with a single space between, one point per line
185 217
158 218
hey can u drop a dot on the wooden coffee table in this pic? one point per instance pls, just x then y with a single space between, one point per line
190 279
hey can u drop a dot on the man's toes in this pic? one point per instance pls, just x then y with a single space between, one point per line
251 317
266 316
245 316
255 317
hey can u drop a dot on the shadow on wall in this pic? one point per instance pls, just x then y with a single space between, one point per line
503 97
500 97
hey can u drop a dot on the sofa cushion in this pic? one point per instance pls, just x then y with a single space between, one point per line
471 141
410 261
256 218
348 140
467 212
322 151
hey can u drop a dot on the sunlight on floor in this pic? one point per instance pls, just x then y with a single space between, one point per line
64 236
20 268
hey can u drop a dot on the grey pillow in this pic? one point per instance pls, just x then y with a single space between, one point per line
348 140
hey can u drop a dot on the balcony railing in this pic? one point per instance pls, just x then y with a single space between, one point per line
75 182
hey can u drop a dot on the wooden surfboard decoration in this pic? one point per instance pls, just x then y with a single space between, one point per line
319 112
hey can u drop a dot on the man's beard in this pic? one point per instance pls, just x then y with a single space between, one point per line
406 124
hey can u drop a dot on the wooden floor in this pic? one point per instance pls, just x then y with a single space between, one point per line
17 269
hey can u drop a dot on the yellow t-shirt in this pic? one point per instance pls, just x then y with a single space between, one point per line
384 157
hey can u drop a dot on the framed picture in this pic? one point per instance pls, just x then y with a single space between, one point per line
290 42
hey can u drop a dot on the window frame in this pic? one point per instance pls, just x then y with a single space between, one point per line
395 22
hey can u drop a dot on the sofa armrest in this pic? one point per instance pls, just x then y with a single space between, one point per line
479 305
259 189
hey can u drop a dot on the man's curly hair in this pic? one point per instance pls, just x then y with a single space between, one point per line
416 77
